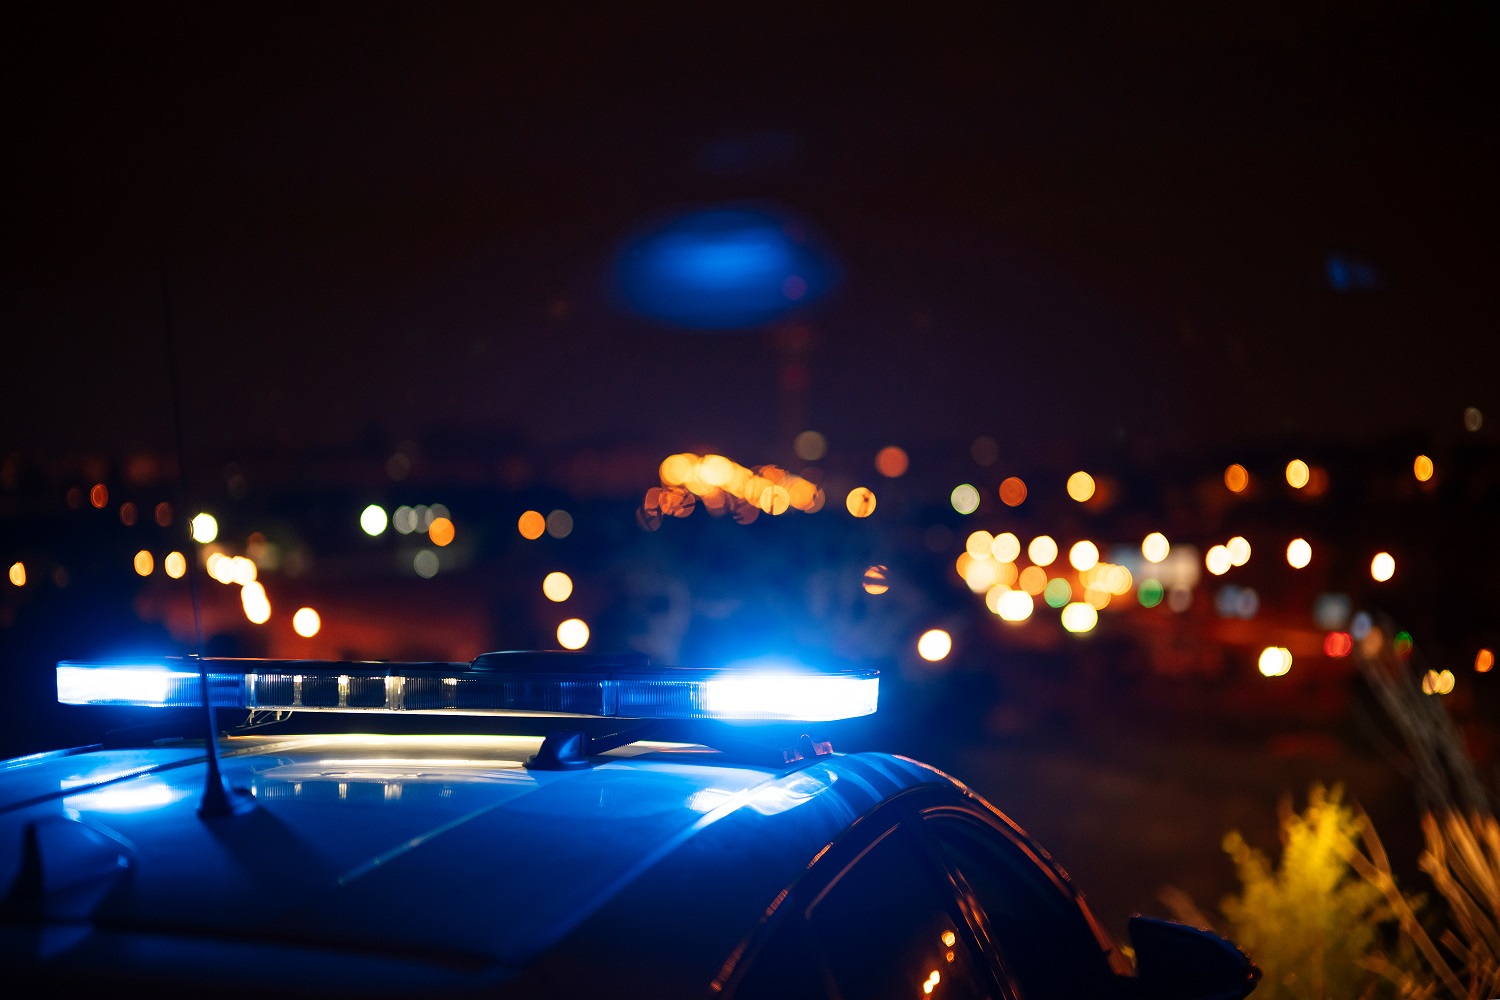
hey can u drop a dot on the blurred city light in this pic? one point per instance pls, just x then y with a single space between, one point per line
163 514
559 524
1155 547
1297 473
99 495
1083 555
1484 661
860 501
1382 567
257 606
985 450
573 634
306 622
1042 551
1006 547
205 528
891 462
532 525
1012 491
1079 617
404 519
1015 606
557 586
1422 468
1080 486
1473 419
144 563
876 580
425 564
127 513
1437 682
1239 550
934 645
373 519
722 268
1217 560
1236 478
1338 644
1032 580
980 544
241 570
964 498
18 574
440 531
1057 592
1298 553
1275 661
810 446
1331 611
175 565
1150 593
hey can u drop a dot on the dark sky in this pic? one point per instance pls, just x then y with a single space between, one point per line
1090 227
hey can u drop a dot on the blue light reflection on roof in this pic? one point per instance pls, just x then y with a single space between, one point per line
722 268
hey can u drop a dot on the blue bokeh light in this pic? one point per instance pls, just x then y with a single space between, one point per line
722 269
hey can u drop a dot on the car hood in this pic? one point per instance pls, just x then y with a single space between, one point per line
437 847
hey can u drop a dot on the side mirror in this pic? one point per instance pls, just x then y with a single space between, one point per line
1176 962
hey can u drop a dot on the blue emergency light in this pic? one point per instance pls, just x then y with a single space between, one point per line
517 683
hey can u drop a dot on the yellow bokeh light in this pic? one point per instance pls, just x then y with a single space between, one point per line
1015 606
1298 553
257 606
373 519
1083 555
676 469
306 622
1484 661
205 528
1275 661
1217 560
934 645
1079 617
1422 468
979 544
241 570
1438 682
993 595
573 634
1013 491
1006 547
18 574
1096 598
1155 547
980 574
860 501
1006 573
1032 580
949 938
218 567
144 563
1042 551
891 462
1080 486
557 586
1382 567
1297 473
175 565
876 580
440 531
1237 478
715 470
1239 550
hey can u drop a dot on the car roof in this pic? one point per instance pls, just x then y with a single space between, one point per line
444 851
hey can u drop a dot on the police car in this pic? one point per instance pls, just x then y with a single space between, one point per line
652 838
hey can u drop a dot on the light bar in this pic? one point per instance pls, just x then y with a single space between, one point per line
508 683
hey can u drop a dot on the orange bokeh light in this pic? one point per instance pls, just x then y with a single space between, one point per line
1013 492
441 531
532 524
891 462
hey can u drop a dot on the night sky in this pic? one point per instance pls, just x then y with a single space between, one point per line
1179 226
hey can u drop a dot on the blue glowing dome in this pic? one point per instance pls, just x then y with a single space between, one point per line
722 269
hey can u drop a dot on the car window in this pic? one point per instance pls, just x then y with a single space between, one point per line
883 926
1044 939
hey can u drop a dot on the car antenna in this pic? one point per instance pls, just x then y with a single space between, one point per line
219 800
